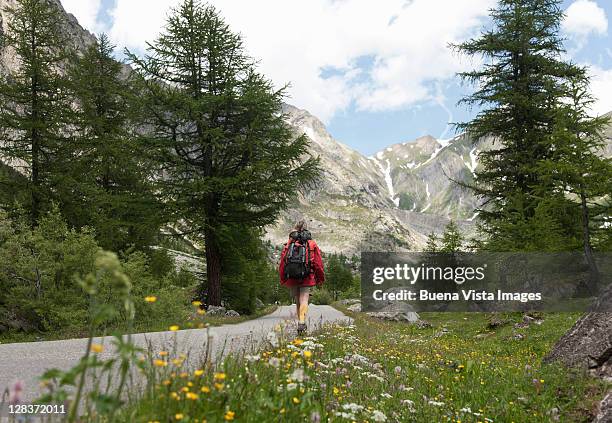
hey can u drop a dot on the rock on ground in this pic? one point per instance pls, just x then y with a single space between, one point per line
587 345
604 415
355 308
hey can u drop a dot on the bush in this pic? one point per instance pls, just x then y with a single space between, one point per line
321 296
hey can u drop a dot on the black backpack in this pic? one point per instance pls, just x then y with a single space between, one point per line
297 259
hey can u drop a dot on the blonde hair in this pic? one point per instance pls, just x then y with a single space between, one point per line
301 225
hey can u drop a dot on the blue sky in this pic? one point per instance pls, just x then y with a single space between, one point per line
375 75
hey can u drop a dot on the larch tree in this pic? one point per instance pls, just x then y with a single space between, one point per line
109 189
34 103
224 151
519 89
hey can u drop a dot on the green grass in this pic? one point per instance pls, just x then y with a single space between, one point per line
188 321
382 371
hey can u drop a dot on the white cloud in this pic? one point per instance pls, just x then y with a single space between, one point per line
601 87
86 12
585 17
405 41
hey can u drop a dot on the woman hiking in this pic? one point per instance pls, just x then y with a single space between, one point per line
301 268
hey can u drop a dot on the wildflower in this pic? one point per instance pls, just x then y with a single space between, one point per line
296 400
205 389
166 382
252 358
218 386
307 354
220 376
174 328
16 391
179 416
97 348
163 353
196 303
198 373
229 415
177 362
297 342
272 339
201 311
315 417
291 386
192 396
397 370
298 375
352 407
160 363
150 299
378 416
274 362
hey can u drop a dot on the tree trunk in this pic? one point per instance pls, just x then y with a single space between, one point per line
593 281
213 268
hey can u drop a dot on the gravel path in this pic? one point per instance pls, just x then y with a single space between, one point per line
27 361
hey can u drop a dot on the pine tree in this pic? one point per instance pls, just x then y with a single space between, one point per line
432 245
34 105
520 88
221 141
338 275
108 190
577 167
452 239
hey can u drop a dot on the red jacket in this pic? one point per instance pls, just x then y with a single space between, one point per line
317 274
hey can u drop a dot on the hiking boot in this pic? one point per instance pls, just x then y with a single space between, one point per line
301 329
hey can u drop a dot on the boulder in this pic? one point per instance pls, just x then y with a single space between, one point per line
232 313
587 345
396 311
259 304
216 310
355 308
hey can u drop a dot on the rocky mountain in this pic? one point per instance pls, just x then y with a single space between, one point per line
392 200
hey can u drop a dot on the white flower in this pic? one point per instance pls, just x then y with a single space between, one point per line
385 395
348 416
272 339
298 375
291 386
378 416
252 358
274 362
355 408
436 403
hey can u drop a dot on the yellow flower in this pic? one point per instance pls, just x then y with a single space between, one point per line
296 400
336 391
198 372
205 389
196 303
150 299
160 363
174 328
229 415
307 354
184 389
220 376
192 396
201 311
166 382
178 416
97 348
298 342
219 386
177 362
163 353
184 375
